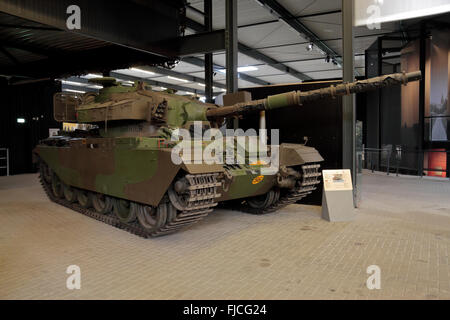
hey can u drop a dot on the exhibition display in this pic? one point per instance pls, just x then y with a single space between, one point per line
121 170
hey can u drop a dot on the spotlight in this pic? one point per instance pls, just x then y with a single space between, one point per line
310 46
327 59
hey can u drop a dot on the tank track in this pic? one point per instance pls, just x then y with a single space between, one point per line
309 182
204 184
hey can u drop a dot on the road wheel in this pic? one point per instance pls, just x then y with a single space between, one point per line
84 199
152 218
70 193
46 172
125 210
57 186
171 213
101 203
263 201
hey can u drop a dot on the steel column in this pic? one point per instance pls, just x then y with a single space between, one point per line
208 57
348 102
422 59
231 45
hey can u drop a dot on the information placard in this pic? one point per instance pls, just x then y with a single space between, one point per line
337 180
337 198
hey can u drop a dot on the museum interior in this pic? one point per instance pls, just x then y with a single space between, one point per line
225 149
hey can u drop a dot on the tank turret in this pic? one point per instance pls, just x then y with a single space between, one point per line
121 106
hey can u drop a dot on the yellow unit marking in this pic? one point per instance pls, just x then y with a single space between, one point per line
258 179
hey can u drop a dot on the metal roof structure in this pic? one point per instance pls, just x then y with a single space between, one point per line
280 41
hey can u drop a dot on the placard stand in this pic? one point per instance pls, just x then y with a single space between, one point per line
337 198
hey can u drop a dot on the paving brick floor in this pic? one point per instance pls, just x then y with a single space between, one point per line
403 226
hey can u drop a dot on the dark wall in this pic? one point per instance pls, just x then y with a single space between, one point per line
391 116
34 103
320 121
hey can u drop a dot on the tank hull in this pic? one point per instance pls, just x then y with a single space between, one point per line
139 172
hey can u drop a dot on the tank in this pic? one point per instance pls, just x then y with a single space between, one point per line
118 166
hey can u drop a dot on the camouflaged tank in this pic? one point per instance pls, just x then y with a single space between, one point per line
119 168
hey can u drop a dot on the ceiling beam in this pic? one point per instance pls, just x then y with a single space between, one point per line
184 76
81 62
9 55
317 14
201 63
296 17
159 83
277 9
255 54
204 42
374 35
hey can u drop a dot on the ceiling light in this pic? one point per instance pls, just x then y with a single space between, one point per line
75 91
73 83
220 89
91 76
125 82
201 84
142 71
248 68
20 120
310 46
177 79
163 88
241 69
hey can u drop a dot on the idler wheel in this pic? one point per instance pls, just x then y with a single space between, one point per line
102 203
263 201
152 218
125 210
57 186
70 193
179 200
46 172
84 199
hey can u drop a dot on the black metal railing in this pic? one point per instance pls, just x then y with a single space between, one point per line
396 159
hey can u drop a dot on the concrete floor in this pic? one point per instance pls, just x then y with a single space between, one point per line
403 227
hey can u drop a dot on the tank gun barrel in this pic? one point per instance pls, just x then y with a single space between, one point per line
298 97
